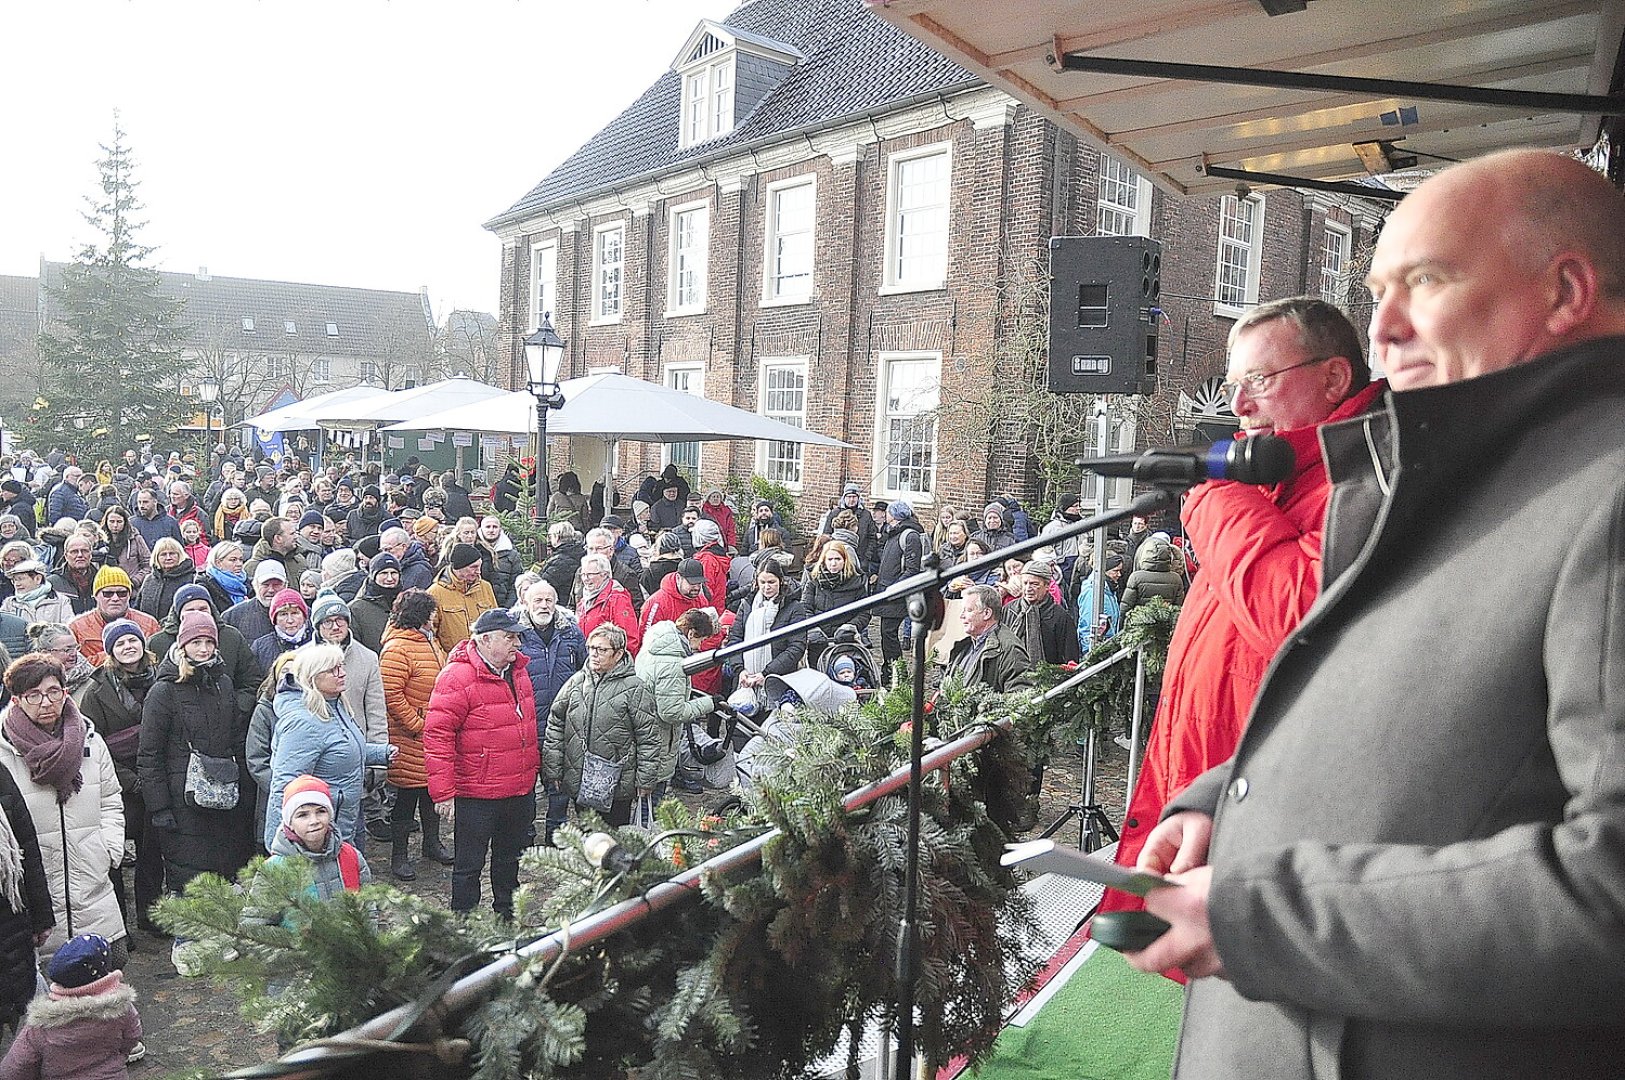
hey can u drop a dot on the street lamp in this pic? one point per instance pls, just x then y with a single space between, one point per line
208 392
544 352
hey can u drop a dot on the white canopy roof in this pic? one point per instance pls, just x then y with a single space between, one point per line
615 406
305 415
403 405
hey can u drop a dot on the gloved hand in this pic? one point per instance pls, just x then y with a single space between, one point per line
164 819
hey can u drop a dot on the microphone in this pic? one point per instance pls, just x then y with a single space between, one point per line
1264 459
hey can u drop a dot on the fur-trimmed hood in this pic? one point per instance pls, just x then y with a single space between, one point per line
54 1012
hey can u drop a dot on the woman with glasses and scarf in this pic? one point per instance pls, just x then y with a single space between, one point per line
58 642
65 773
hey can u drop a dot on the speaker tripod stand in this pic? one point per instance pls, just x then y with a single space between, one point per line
1095 829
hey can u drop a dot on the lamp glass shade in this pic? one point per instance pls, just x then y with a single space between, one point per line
544 353
208 391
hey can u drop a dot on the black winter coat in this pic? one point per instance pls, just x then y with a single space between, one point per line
17 928
900 557
157 594
561 566
820 594
786 654
179 717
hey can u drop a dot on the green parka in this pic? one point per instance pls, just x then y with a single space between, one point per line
613 715
660 665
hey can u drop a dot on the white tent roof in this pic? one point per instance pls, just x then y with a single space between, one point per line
305 415
615 406
403 405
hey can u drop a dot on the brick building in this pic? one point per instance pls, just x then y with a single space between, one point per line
813 216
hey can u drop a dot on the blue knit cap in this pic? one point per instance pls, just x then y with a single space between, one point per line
81 961
120 628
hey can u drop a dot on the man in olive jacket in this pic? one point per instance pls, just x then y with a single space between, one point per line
1414 866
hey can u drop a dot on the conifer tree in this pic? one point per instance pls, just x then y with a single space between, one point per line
111 347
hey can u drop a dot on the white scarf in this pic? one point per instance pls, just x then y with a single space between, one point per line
11 866
759 622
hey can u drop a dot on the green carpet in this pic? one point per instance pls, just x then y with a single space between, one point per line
1109 1022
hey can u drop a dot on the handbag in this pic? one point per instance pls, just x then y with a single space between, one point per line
211 782
599 779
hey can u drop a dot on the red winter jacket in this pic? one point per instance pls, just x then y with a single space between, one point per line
717 564
479 736
1259 552
723 515
667 603
614 605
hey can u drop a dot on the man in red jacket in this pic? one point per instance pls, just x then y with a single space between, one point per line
681 590
479 745
1294 364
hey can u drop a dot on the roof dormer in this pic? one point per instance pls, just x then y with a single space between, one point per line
726 72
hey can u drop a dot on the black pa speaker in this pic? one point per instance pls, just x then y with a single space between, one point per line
1103 314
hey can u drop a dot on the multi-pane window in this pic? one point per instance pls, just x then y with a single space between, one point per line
1123 203
784 398
279 368
689 237
917 224
708 101
790 211
1334 263
321 370
608 261
544 283
1240 241
910 391
687 379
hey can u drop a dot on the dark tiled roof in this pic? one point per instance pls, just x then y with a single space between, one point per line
472 323
19 304
370 322
856 63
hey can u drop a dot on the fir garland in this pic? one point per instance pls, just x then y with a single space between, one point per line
761 980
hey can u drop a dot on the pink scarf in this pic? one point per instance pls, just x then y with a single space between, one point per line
53 757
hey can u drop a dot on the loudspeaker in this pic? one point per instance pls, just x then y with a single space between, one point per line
1103 314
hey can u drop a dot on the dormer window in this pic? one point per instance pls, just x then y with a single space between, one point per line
713 62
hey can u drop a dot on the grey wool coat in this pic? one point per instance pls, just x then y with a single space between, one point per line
613 715
1419 848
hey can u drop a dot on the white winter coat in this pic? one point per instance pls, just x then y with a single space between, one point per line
94 818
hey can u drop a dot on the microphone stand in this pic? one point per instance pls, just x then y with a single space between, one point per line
915 589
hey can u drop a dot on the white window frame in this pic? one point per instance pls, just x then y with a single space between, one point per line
771 294
1121 432
600 269
332 329
248 324
1230 210
321 370
1336 248
708 99
765 448
369 372
1109 182
891 280
881 487
695 371
544 288
700 256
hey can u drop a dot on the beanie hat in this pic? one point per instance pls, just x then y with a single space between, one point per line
368 547
269 570
464 555
1113 561
312 517
851 489
669 543
326 605
900 510
194 625
286 597
384 561
345 483
706 531
371 489
81 961
337 564
186 594
120 628
110 576
388 523
304 791
844 670
424 527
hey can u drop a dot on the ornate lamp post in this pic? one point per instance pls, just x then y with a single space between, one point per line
544 352
208 392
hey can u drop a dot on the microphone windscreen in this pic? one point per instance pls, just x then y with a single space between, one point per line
1265 459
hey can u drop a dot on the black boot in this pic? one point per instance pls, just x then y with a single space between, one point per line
400 863
431 836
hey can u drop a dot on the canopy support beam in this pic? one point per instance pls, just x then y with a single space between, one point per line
1341 187
1543 101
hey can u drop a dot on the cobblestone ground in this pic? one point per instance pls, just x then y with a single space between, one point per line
193 1023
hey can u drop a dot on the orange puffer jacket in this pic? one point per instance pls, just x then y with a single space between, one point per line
409 664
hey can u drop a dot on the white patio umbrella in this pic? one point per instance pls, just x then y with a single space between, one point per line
307 414
406 405
613 406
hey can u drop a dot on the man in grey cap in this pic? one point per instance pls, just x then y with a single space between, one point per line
868 533
252 617
1043 626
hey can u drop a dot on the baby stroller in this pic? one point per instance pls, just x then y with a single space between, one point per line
844 658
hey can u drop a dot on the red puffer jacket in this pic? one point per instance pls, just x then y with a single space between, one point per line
1260 571
479 737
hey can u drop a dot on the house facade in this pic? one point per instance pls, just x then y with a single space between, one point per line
812 216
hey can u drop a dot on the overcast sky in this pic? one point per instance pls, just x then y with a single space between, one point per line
341 142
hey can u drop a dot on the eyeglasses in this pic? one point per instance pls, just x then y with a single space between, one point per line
40 697
600 648
113 593
1257 383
